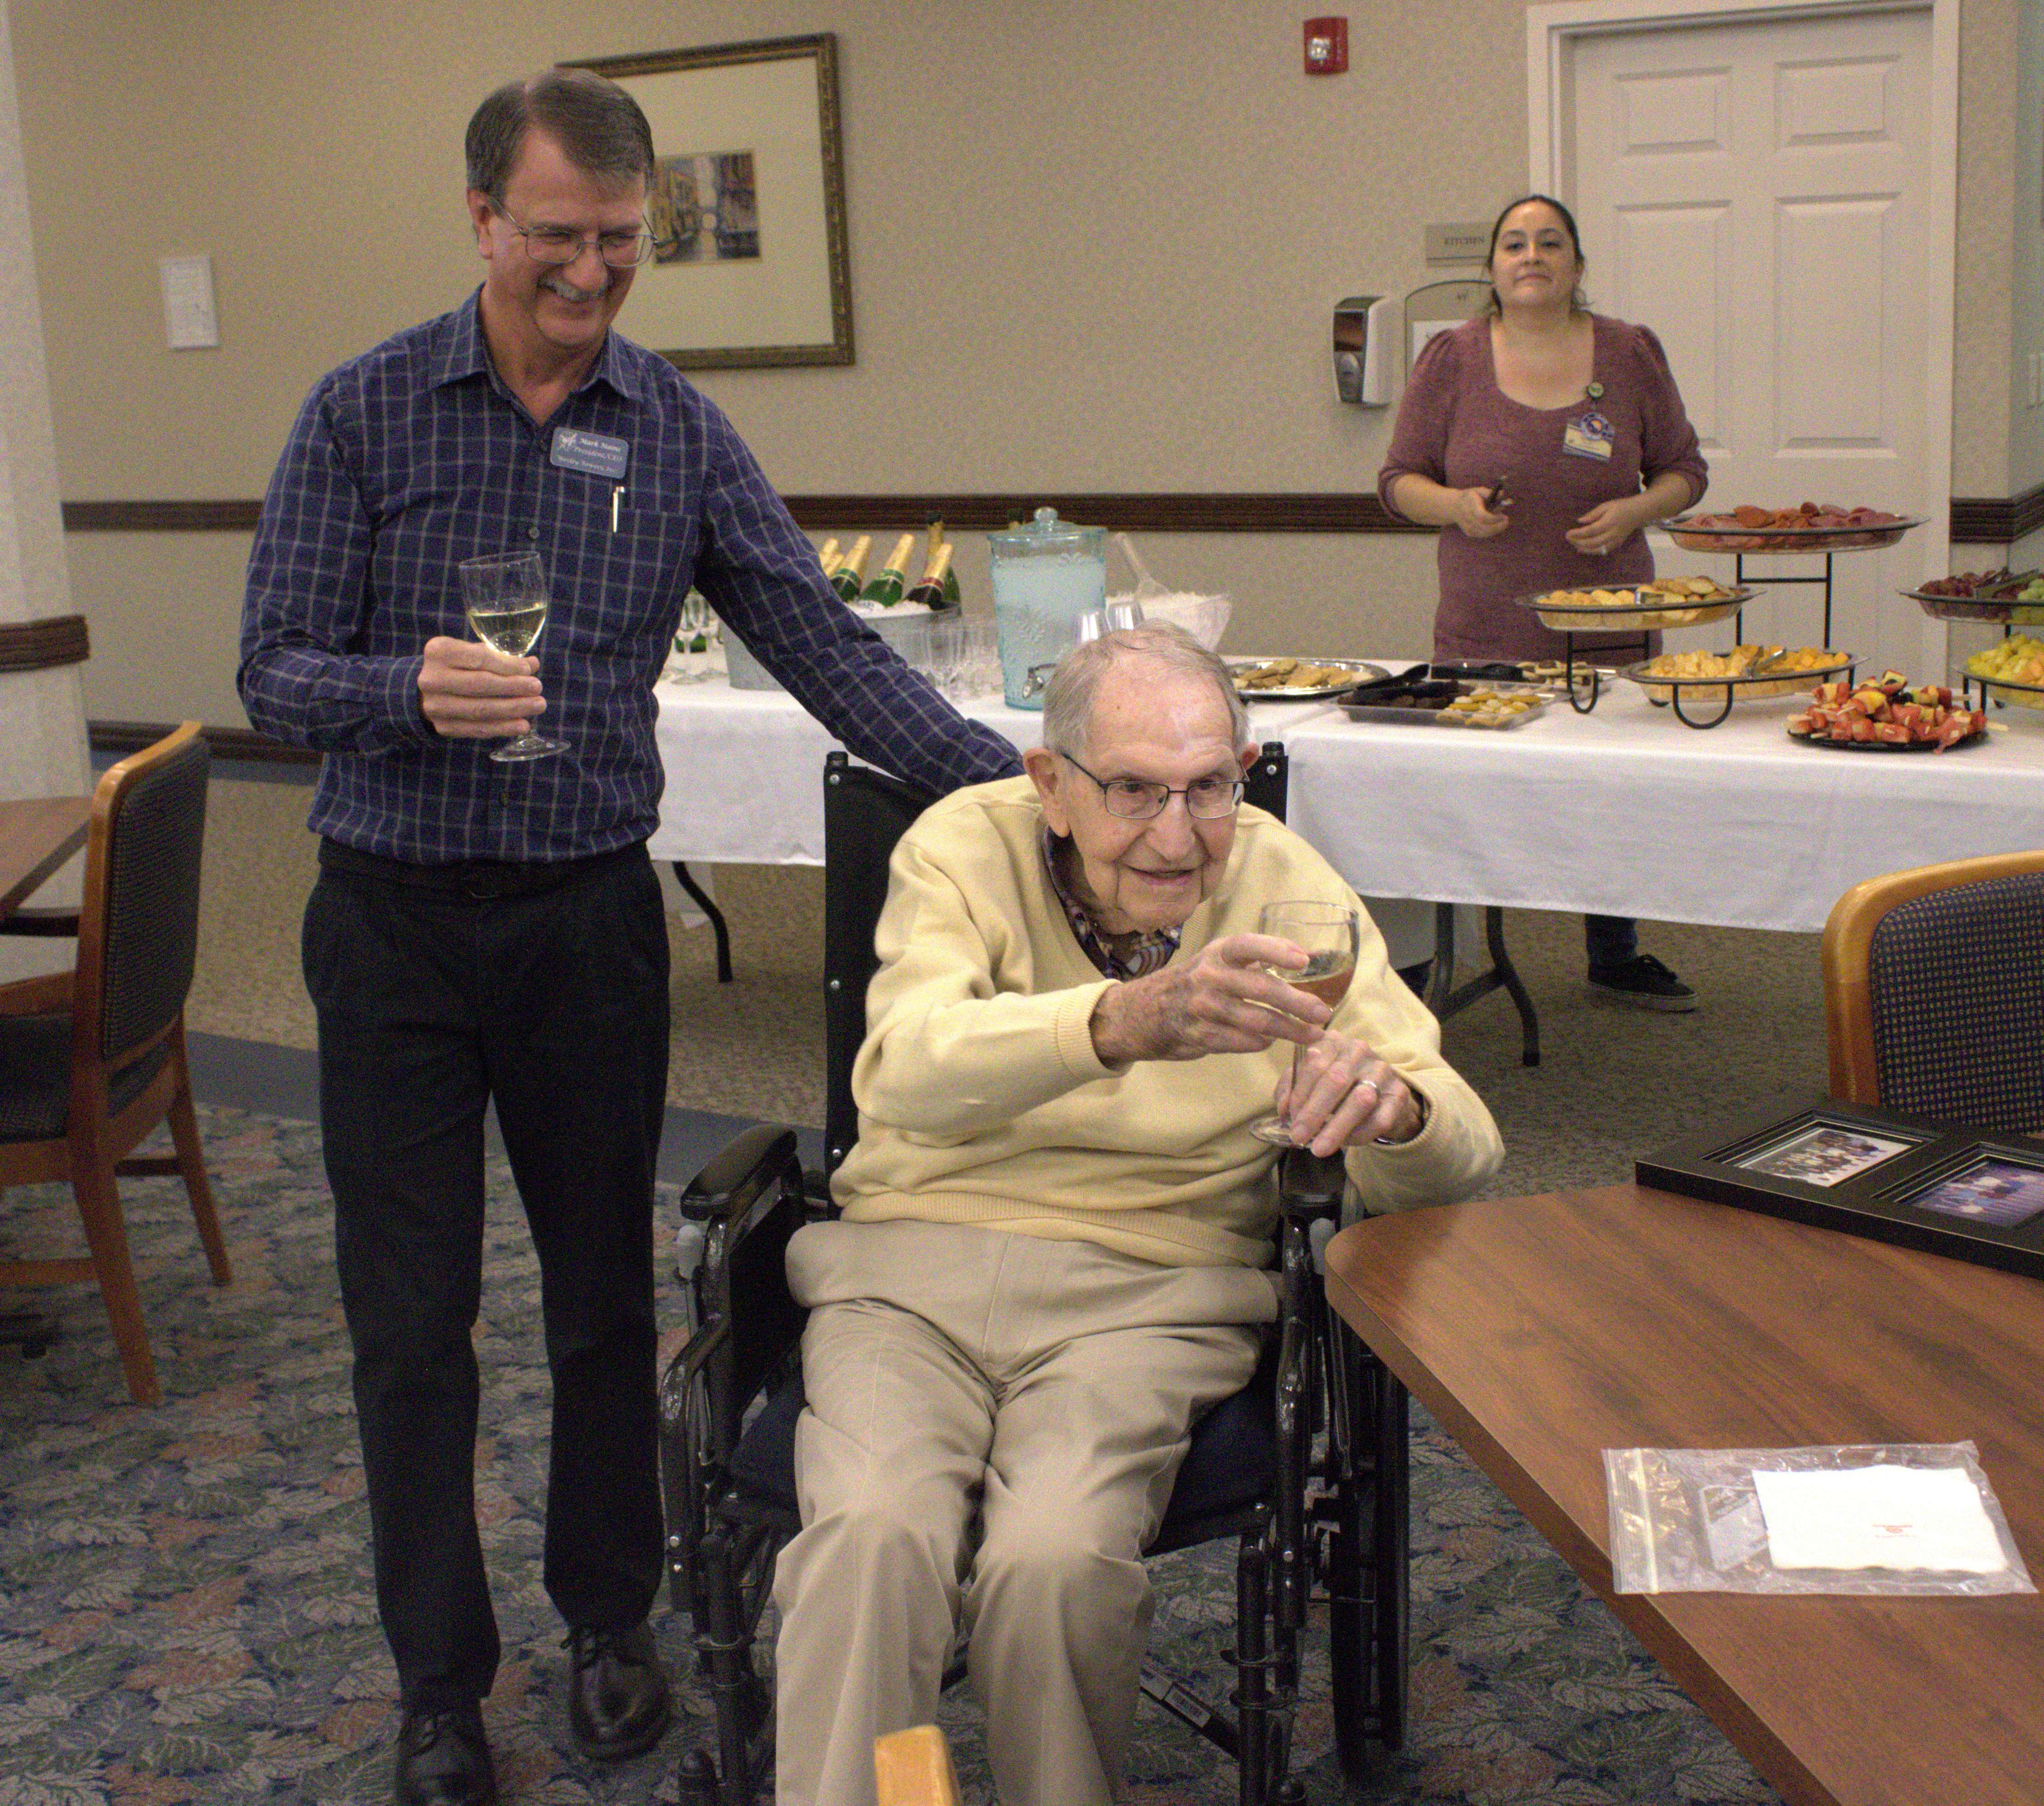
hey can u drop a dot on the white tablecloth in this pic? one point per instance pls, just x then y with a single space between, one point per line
1624 811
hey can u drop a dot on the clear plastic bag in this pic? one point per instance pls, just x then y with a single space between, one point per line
1766 1521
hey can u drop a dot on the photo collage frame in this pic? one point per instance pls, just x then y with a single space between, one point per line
1970 1195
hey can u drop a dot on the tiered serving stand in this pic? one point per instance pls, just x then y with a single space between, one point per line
1738 542
1583 683
1742 543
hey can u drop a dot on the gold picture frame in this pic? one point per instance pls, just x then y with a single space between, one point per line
750 133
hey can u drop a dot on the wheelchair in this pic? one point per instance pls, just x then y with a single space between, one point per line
1307 1468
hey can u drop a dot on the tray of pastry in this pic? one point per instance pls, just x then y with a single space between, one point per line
1665 602
1434 696
1746 674
1298 680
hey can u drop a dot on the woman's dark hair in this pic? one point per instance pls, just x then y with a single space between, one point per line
1578 302
595 122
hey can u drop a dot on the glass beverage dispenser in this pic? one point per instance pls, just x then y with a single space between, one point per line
1045 574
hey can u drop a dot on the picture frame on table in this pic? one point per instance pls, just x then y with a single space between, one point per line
750 268
1970 1195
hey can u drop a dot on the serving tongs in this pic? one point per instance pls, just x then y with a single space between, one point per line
1416 683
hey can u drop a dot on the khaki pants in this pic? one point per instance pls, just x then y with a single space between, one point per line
994 1423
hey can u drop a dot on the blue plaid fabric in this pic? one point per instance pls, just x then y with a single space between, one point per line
414 456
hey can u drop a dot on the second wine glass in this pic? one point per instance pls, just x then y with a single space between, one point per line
1329 935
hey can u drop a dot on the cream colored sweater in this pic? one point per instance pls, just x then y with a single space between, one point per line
981 1098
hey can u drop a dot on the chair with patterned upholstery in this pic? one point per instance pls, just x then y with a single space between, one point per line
1934 992
91 1060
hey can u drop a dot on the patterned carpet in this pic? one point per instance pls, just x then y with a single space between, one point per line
186 1610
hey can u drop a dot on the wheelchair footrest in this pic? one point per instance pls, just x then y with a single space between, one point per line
1190 1709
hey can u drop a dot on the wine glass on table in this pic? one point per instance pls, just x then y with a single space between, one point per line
505 595
1328 934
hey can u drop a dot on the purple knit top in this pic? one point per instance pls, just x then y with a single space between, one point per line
1457 427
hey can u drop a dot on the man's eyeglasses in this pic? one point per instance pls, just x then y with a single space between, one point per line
561 245
1134 799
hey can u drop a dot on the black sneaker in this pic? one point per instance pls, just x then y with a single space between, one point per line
1644 981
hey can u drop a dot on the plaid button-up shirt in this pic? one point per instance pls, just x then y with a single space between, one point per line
414 456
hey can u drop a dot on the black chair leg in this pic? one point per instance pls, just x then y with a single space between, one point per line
717 925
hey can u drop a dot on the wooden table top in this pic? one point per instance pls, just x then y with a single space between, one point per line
1541 1330
36 836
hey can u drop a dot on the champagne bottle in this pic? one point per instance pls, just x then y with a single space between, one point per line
886 589
846 579
949 577
930 591
827 556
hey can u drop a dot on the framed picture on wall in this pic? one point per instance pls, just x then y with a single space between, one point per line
749 266
1950 1191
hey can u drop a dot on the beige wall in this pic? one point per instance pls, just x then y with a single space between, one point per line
1092 248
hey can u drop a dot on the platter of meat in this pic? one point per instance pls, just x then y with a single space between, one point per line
1814 526
1885 715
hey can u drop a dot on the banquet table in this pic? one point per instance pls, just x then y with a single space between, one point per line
1624 811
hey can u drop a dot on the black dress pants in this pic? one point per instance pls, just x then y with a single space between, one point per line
432 1001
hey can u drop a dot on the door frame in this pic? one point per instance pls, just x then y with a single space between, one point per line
1550 30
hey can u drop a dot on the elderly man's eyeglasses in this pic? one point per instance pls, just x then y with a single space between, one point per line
561 245
1134 799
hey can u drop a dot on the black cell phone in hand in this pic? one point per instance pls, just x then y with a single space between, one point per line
1499 498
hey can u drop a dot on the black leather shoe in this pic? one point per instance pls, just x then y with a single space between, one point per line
443 1760
618 1703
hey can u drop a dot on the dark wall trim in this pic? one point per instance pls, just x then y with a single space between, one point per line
1997 521
226 742
1341 512
1977 519
41 645
161 516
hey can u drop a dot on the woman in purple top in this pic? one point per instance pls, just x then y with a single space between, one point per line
1543 440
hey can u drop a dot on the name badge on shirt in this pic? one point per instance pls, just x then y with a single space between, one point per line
591 452
1589 435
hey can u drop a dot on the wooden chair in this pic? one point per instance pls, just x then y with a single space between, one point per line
913 1768
93 1060
1934 992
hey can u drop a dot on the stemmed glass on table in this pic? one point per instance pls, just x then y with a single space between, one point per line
505 595
1328 934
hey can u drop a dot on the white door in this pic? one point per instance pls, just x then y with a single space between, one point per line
1754 192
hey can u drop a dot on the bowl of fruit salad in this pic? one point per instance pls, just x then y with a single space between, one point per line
2012 671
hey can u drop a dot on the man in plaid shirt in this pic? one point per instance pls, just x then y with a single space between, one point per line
487 931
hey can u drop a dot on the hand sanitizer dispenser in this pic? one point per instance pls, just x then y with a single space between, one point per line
1366 341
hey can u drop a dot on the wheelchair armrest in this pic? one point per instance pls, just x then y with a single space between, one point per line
732 1180
1309 1185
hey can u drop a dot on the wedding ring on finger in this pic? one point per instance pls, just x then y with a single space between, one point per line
1375 1090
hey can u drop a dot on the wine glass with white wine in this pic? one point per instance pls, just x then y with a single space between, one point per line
1329 935
505 595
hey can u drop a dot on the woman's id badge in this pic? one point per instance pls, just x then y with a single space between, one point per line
1589 435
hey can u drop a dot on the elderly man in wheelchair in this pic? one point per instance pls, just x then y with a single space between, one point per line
1051 1258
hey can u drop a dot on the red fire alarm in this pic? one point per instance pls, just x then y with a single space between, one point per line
1327 47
